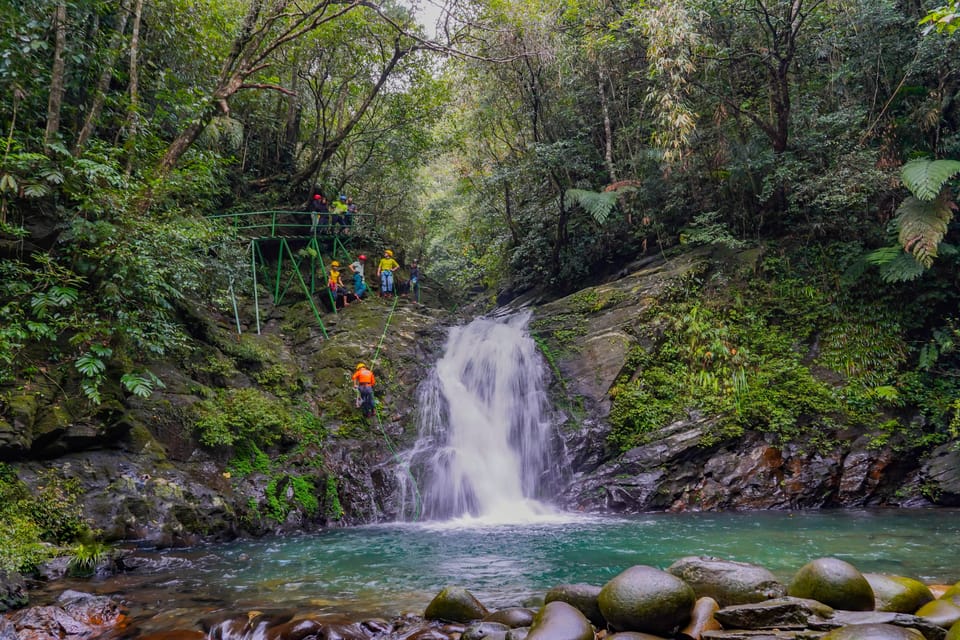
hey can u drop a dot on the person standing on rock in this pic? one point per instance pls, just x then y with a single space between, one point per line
359 282
385 272
363 381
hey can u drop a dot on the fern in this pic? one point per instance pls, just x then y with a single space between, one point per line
599 204
922 225
925 178
895 264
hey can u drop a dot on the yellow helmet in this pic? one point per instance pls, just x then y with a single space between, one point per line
361 366
334 264
389 253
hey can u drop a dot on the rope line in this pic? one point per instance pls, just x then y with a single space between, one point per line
418 503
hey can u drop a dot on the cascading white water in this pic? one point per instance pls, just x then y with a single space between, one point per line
484 448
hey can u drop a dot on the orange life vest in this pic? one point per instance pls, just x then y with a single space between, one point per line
364 376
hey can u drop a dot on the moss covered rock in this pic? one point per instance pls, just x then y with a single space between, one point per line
898 593
833 582
646 599
954 632
942 613
512 617
560 621
455 604
952 594
873 632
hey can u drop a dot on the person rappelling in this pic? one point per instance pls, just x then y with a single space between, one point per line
363 381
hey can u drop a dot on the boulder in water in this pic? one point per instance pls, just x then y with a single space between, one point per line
726 581
873 632
952 594
13 591
633 635
898 593
582 596
646 599
455 604
954 633
485 631
175 634
560 621
782 613
7 630
833 582
513 617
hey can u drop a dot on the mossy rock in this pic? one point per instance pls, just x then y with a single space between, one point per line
952 594
646 599
898 593
455 604
954 632
582 596
560 621
873 632
485 631
833 582
942 613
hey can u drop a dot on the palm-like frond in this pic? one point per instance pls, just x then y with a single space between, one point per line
922 225
599 205
925 178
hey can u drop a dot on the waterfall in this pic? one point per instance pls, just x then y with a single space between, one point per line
484 448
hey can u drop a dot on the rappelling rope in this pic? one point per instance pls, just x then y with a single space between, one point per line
386 438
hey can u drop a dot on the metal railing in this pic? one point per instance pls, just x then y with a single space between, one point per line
281 222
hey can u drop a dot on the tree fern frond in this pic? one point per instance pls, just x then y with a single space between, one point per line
599 205
902 268
883 255
925 178
922 225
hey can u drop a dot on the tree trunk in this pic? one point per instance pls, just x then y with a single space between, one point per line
57 74
607 125
291 130
103 84
133 113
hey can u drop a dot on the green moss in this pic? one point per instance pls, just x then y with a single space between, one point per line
332 507
305 493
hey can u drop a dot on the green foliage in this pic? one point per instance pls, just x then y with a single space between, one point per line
248 459
944 19
922 225
241 416
35 525
333 509
925 178
85 557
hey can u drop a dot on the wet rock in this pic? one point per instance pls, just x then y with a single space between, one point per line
488 630
954 632
13 591
582 596
520 633
726 581
833 582
455 604
952 594
702 619
781 613
175 634
295 629
646 599
941 472
847 618
75 616
7 630
940 612
766 634
560 621
513 617
633 635
873 632
898 593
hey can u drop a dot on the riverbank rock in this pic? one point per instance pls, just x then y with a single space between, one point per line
75 616
584 597
646 599
873 632
940 612
833 582
513 617
455 604
898 593
726 581
560 621
779 613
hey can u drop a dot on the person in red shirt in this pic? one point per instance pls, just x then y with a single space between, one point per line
363 381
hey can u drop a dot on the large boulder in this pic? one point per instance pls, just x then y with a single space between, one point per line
954 633
833 582
582 596
782 613
898 593
512 617
455 604
952 594
726 581
873 632
13 591
560 621
646 599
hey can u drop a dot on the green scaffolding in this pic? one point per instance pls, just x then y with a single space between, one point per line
288 260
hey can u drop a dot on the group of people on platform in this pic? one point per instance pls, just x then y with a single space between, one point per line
336 216
390 282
